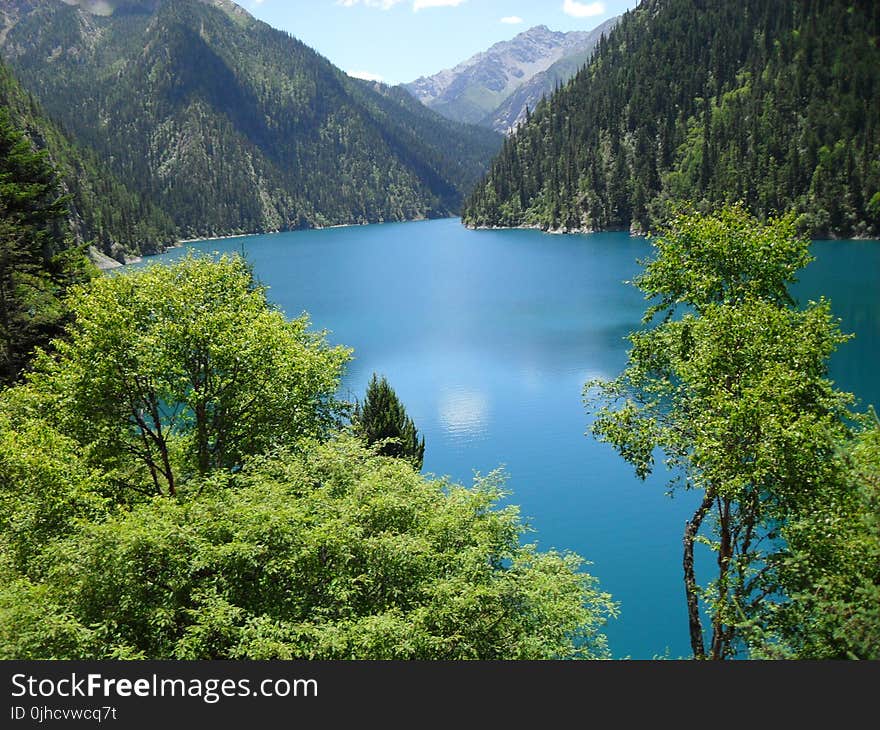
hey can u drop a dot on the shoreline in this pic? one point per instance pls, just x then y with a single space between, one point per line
587 230
105 263
202 239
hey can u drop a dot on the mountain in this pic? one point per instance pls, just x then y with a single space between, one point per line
228 125
773 104
495 88
101 208
514 109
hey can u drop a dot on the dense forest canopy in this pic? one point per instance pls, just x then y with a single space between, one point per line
101 210
39 259
775 104
228 126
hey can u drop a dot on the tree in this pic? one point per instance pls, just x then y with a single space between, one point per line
382 420
329 553
731 386
46 485
174 371
829 572
34 263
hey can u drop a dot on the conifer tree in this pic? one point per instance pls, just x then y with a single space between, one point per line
35 263
382 419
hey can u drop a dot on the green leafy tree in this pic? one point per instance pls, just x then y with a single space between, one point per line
830 569
329 553
731 386
289 543
382 419
174 371
46 485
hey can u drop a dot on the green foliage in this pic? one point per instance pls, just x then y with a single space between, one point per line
772 104
382 419
45 485
32 626
173 371
36 259
102 210
735 394
229 126
334 553
171 487
831 569
724 258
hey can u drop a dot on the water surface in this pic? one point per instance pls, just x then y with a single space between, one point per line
488 338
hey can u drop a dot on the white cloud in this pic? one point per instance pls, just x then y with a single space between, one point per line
422 4
388 4
384 4
365 75
512 20
582 10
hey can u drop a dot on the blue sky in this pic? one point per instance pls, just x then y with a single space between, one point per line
399 40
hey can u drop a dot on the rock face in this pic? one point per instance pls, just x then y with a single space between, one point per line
494 88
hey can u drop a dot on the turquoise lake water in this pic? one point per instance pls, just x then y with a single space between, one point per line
488 338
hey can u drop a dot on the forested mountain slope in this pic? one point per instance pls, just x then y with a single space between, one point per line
101 209
228 125
774 104
39 255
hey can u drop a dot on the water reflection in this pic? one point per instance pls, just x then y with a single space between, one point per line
464 413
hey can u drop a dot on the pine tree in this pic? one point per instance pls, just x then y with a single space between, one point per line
36 262
382 419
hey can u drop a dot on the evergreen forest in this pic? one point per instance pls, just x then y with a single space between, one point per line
219 124
772 104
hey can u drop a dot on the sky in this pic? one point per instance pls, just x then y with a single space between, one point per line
397 41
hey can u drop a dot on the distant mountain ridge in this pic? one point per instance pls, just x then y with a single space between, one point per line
230 126
494 88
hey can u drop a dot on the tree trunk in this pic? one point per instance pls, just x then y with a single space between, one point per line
720 636
202 438
695 625
166 463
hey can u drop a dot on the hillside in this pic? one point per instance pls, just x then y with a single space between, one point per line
230 126
101 208
495 88
772 104
39 255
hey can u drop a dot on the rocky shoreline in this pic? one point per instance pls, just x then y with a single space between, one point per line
633 230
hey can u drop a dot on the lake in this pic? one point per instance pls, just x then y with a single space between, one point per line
488 338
